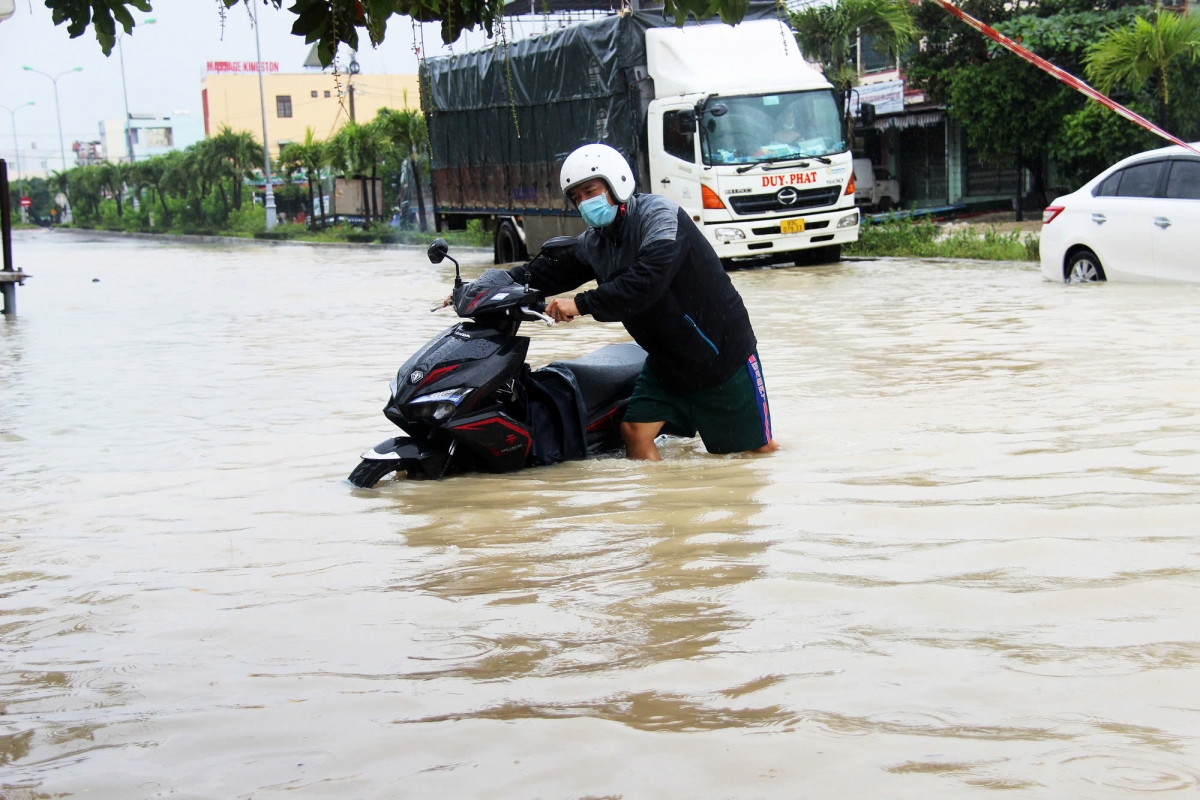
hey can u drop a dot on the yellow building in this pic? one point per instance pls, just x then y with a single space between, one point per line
297 101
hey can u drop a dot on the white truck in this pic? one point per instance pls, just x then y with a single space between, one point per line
874 187
728 121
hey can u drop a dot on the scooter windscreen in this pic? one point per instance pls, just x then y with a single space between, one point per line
493 291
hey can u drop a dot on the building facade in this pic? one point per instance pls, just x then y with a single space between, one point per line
296 102
151 135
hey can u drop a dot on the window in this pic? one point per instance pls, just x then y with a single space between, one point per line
1184 183
1109 187
314 92
327 93
159 137
675 141
283 105
1141 180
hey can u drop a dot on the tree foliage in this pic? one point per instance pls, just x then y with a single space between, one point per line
1146 49
828 33
330 23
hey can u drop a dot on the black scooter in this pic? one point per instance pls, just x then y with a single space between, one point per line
469 402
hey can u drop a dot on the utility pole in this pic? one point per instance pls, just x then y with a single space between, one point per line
12 112
262 98
58 111
125 93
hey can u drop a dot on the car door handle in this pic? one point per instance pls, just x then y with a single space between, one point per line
1099 219
1162 222
665 181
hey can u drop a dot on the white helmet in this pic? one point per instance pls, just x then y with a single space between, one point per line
597 161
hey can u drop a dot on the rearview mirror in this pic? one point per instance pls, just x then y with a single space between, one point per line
687 121
559 246
866 113
438 250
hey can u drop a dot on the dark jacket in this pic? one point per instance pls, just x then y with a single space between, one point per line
659 276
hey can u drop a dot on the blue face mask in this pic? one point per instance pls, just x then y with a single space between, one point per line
597 211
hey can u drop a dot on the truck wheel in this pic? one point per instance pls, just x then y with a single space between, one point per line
885 205
509 247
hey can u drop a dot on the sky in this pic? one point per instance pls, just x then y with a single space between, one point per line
164 66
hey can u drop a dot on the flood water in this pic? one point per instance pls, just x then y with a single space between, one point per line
974 565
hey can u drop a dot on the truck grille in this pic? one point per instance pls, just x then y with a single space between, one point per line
805 198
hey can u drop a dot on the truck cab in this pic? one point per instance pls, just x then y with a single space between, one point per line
751 145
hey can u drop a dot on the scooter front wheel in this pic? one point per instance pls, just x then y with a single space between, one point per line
370 472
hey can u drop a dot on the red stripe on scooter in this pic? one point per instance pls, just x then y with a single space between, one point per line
437 373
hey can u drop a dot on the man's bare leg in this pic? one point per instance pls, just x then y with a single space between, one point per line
639 440
769 447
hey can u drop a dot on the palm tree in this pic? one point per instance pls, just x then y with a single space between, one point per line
241 155
1130 56
113 177
309 156
356 149
154 173
407 132
829 33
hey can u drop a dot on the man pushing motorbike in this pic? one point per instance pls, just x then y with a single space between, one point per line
660 277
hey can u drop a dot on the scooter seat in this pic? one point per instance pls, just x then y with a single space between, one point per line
606 375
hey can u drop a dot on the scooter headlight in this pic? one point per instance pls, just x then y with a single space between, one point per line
394 386
436 405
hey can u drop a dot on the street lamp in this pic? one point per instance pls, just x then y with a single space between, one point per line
125 92
57 110
12 113
269 197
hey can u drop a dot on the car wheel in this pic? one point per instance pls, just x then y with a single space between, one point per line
1083 267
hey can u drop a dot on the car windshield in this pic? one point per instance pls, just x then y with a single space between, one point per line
771 127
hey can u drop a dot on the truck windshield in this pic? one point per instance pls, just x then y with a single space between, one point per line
745 130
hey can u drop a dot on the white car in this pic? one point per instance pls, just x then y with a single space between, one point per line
1136 221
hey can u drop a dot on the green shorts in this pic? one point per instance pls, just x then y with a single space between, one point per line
731 417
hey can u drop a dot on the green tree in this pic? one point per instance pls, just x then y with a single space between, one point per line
113 177
992 103
829 33
356 150
406 132
240 156
153 173
1147 49
309 156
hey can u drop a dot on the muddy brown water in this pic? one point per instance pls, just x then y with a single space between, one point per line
972 567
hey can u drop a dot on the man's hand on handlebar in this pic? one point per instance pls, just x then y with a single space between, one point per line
562 310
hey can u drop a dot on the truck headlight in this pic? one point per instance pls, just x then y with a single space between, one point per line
848 221
727 235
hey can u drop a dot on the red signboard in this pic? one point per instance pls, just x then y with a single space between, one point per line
26 202
243 66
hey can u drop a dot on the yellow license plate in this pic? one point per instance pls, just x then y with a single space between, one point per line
791 226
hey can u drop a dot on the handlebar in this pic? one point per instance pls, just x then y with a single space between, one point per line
546 318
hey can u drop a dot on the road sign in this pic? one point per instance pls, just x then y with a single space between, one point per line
26 202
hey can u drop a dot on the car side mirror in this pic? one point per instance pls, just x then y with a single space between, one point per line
437 251
866 113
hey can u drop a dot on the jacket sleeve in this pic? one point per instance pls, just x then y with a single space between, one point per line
553 276
633 291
